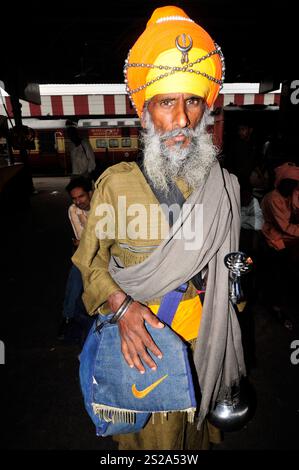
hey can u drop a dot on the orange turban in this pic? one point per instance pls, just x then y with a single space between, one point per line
173 55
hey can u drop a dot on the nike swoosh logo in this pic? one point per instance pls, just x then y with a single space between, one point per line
147 390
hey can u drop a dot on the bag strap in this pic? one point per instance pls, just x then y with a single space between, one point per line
170 303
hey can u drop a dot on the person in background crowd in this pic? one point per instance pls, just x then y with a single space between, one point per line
280 209
250 240
242 154
82 155
251 220
74 313
273 155
281 232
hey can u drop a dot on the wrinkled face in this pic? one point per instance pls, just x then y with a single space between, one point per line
187 151
174 111
81 198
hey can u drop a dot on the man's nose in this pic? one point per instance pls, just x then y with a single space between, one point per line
181 118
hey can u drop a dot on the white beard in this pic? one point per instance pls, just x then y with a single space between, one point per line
192 163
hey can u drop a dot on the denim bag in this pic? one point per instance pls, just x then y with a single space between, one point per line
118 398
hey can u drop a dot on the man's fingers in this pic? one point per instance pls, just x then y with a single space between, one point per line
151 345
146 341
152 319
126 354
135 355
136 340
139 356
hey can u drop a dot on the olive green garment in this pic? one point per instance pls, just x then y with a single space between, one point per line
121 186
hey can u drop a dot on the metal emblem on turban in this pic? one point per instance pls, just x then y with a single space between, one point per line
185 47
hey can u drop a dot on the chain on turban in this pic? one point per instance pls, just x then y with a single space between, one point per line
173 55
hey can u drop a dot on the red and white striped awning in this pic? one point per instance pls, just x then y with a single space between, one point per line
111 100
239 99
75 105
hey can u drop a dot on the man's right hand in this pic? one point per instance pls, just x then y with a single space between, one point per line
135 339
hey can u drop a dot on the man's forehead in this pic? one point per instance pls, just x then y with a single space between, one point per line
185 96
77 191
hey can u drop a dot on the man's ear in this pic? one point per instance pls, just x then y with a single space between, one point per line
142 119
143 115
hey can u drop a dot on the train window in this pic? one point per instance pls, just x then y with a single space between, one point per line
126 142
101 143
113 143
125 132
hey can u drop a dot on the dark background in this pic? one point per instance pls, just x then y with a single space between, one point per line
59 42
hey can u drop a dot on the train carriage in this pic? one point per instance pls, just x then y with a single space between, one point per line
112 141
104 115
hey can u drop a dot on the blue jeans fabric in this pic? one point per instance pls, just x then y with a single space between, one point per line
74 309
73 291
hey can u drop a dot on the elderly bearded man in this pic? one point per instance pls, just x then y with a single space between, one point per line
173 74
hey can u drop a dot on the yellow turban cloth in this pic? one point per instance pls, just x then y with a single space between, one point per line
160 63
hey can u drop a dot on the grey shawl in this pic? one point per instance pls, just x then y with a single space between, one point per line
218 356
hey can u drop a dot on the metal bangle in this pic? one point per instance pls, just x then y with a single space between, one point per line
122 309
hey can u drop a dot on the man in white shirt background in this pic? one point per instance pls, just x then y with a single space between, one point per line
75 319
251 212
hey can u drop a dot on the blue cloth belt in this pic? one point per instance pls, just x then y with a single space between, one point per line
170 303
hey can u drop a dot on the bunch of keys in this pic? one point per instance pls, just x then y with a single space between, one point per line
238 263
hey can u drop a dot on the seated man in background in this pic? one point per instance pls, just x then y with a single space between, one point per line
80 190
280 209
281 231
74 314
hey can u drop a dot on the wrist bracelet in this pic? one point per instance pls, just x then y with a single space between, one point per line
122 309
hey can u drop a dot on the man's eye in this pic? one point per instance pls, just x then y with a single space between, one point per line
193 101
166 102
